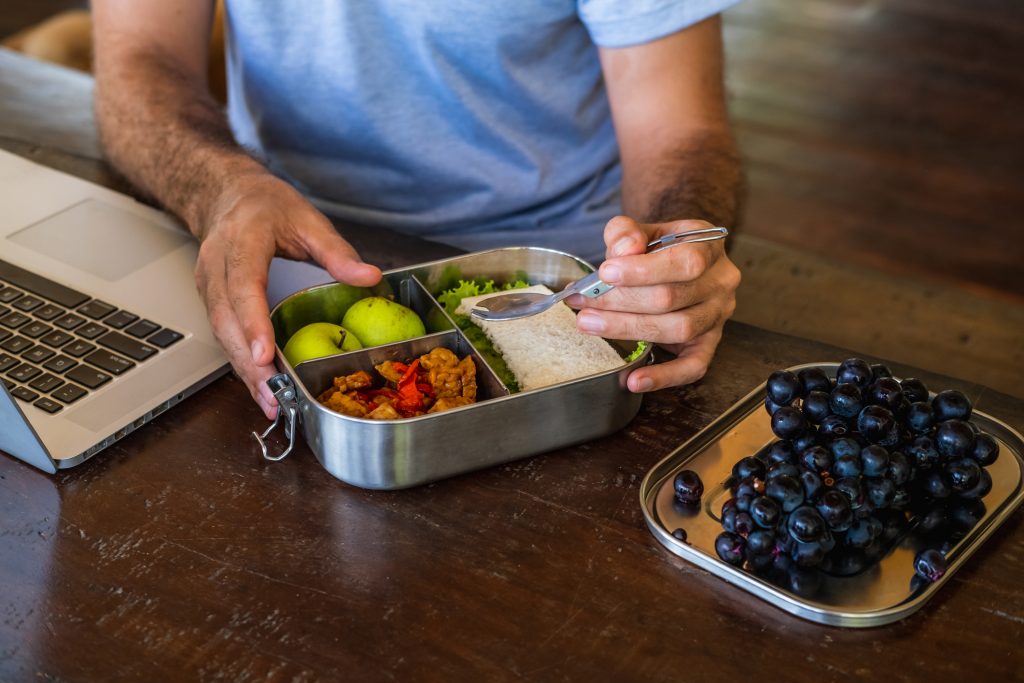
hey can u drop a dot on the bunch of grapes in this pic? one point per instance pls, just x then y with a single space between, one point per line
859 458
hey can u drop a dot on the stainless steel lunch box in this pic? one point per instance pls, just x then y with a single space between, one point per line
498 428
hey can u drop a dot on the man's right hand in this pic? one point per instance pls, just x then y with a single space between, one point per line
256 217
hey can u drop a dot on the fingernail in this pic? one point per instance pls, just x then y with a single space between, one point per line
257 351
588 321
622 247
611 273
643 384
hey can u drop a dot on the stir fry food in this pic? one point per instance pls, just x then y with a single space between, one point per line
431 383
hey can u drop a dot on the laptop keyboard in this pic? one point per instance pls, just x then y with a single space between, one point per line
58 344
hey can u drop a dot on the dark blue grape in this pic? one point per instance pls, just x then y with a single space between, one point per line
954 439
807 554
784 387
743 503
771 406
847 466
747 487
880 492
788 422
963 474
781 451
964 514
729 547
852 489
874 461
901 500
880 371
688 487
817 459
803 581
805 441
922 451
729 519
930 565
813 485
876 423
744 523
986 450
854 371
899 468
914 389
951 405
919 417
814 379
863 532
749 468
843 446
816 407
786 491
782 468
806 525
935 483
679 535
846 400
761 542
765 512
981 489
834 426
835 509
885 392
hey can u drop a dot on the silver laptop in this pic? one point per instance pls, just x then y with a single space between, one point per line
101 327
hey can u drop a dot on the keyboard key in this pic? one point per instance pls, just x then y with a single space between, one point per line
120 319
164 338
48 289
90 330
68 322
89 377
79 348
48 312
9 294
38 354
24 394
14 320
96 309
126 345
9 384
110 362
46 383
7 362
4 334
27 303
60 364
24 372
56 339
35 329
4 311
48 405
16 344
143 329
69 393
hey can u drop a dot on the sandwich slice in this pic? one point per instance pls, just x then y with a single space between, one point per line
546 348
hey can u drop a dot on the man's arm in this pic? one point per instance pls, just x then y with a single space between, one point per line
681 171
161 128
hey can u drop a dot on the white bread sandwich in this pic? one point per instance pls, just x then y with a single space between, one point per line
546 348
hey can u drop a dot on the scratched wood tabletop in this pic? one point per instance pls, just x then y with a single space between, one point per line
179 554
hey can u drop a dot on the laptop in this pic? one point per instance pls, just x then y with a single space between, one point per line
101 327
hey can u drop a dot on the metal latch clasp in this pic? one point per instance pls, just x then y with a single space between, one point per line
284 392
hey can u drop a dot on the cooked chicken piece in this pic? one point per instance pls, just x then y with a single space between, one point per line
385 411
357 380
343 403
448 403
444 372
388 371
468 370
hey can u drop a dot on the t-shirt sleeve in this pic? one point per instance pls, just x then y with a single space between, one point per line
618 23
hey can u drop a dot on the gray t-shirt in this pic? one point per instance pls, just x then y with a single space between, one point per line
475 123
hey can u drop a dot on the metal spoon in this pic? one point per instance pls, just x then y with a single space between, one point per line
522 304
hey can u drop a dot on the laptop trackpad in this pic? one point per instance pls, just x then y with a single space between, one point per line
100 239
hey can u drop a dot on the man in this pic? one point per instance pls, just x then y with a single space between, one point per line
477 124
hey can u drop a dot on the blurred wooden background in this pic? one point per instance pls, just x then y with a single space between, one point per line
884 149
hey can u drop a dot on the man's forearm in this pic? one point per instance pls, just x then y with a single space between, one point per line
165 133
700 178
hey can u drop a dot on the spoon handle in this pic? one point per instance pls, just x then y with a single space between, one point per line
592 286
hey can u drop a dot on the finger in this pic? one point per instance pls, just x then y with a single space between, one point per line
681 263
246 286
688 367
331 251
228 331
668 328
623 236
662 298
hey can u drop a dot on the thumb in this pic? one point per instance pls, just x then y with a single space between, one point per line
623 236
337 256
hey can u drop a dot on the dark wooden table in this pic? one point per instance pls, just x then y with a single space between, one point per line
179 554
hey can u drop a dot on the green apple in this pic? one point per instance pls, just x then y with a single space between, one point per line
317 340
377 320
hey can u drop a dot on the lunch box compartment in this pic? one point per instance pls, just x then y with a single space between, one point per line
500 427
